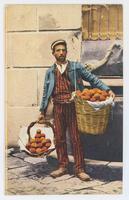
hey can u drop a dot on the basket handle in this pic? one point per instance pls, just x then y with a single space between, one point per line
47 123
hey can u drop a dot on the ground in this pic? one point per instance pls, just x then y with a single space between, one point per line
28 176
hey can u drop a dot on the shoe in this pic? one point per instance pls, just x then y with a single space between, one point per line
59 172
83 176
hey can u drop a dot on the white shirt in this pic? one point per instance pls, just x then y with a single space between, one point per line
62 67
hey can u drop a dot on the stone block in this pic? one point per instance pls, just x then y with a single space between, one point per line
96 162
22 155
23 171
109 82
25 185
15 163
20 18
59 16
21 87
35 161
41 78
114 187
33 49
115 164
16 118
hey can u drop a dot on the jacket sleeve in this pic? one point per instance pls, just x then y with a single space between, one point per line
92 79
45 88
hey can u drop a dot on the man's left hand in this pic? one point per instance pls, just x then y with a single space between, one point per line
112 94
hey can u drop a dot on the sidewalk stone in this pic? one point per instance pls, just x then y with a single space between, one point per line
33 160
34 179
23 171
115 164
110 188
24 185
15 163
49 180
73 184
21 155
11 176
95 162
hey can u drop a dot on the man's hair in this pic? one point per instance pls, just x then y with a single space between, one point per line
57 42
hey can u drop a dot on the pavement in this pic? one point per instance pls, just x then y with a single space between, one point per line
26 175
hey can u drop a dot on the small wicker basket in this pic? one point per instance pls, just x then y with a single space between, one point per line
25 138
91 121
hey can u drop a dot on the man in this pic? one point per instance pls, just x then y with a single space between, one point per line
61 80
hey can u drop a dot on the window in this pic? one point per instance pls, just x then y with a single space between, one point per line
102 22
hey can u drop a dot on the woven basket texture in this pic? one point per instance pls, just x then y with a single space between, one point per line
91 121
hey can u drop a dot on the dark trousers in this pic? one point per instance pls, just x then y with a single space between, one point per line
65 117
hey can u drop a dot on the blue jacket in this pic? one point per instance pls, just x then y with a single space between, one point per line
76 72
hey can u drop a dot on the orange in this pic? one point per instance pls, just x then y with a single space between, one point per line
102 98
38 135
34 145
28 145
86 97
38 140
44 149
42 138
32 140
38 150
38 131
42 134
48 144
93 99
44 141
48 140
96 96
39 144
32 150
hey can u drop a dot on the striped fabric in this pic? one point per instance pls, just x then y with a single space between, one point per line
65 117
62 90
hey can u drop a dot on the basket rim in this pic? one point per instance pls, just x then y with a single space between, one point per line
41 153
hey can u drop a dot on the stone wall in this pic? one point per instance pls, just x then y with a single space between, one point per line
30 30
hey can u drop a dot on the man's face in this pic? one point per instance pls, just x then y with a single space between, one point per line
60 53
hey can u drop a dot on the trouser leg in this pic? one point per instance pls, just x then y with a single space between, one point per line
60 135
75 138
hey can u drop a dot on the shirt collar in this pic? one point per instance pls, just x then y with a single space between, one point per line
62 67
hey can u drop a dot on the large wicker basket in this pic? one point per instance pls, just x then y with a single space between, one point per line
91 121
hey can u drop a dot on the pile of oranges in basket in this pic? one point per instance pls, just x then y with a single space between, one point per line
94 95
38 144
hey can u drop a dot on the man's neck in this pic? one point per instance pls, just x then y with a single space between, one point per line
60 63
